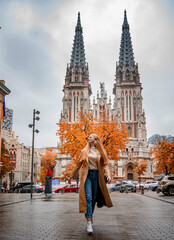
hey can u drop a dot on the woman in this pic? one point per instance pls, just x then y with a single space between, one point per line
93 164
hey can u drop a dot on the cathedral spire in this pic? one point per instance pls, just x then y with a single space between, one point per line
126 56
78 51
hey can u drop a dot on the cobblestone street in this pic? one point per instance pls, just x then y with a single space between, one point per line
133 217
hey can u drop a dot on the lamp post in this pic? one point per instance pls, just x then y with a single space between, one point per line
32 158
21 164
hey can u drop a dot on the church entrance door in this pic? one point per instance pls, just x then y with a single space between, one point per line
130 176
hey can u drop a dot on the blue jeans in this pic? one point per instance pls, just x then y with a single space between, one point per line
91 188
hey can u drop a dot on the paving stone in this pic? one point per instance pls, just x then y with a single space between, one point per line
133 217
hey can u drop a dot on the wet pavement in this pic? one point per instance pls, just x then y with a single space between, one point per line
133 217
159 196
12 198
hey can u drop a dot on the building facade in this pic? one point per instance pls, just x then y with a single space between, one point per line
21 157
8 120
3 92
127 107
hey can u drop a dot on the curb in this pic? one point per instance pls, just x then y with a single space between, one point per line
10 203
156 198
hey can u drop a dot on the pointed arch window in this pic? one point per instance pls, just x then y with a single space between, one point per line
129 131
130 104
77 104
127 107
69 114
130 167
74 109
121 76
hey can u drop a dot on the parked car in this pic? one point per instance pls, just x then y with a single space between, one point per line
135 182
138 184
149 183
129 185
27 189
20 185
166 186
114 188
67 188
153 187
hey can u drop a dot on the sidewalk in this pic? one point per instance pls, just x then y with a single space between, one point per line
158 196
133 217
12 198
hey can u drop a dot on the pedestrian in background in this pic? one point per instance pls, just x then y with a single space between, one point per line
94 169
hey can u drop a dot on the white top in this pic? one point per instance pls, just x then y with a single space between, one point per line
92 158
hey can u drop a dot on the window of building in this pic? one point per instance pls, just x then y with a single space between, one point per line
129 168
69 114
127 107
121 77
96 113
130 131
77 104
74 108
130 117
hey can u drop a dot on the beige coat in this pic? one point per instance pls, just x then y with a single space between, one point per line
103 197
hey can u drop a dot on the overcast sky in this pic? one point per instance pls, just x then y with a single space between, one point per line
35 46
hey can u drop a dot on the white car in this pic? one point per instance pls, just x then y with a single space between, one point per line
149 183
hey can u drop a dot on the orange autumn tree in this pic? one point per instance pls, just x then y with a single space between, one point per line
73 137
41 175
7 165
140 167
69 167
48 161
163 157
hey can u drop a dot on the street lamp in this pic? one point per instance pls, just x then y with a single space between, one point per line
37 131
21 164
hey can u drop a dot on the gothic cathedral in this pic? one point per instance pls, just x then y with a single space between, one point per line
127 105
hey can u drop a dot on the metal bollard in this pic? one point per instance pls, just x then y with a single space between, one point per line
48 185
126 190
142 190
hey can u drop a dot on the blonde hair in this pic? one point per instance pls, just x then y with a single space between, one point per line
99 147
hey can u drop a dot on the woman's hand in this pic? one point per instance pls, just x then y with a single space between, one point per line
108 180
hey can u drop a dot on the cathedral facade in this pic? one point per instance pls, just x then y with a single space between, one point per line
127 106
